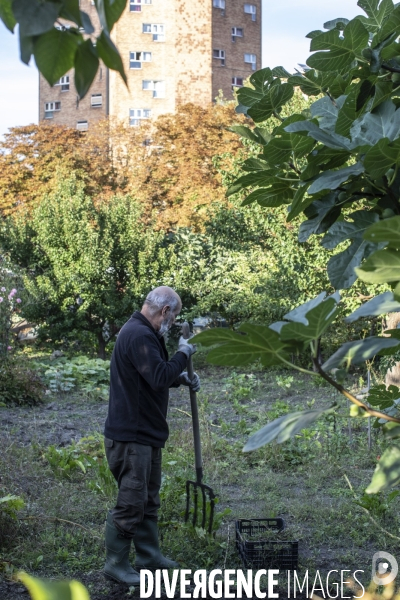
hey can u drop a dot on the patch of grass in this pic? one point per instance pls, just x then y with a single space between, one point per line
301 480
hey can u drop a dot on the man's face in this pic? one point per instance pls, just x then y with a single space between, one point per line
169 320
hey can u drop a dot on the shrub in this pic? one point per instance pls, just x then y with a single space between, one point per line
19 384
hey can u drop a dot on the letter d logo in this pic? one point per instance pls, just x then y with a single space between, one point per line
384 568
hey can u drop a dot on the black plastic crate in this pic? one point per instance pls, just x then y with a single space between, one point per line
268 553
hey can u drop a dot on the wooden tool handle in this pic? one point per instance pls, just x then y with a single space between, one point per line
195 412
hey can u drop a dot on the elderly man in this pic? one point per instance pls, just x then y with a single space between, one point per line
136 429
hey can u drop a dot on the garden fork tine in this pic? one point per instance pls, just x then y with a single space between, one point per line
207 493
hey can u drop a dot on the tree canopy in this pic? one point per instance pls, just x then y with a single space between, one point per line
170 164
337 166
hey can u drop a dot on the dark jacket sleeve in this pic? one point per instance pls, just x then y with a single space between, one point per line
146 356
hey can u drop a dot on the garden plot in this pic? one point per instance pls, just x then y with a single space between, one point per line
52 458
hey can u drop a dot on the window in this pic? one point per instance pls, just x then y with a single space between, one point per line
157 29
137 114
236 32
136 59
51 107
157 87
219 4
96 100
251 9
64 83
220 54
237 82
136 5
82 125
251 59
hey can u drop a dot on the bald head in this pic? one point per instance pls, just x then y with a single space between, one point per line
161 307
160 297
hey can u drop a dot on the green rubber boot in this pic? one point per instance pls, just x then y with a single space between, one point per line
148 553
117 565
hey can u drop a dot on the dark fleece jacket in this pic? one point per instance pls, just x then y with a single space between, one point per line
140 378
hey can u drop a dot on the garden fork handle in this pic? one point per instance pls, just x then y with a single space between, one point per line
195 412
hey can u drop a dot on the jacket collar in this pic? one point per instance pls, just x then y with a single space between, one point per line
138 315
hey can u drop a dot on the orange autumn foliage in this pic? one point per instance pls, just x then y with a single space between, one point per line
167 164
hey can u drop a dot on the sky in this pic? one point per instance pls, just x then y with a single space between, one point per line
285 25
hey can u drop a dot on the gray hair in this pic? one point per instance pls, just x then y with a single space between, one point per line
159 298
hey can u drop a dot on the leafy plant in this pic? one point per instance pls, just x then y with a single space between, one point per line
40 589
57 48
19 384
85 266
10 505
284 381
338 166
90 375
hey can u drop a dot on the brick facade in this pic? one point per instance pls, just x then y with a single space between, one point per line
176 68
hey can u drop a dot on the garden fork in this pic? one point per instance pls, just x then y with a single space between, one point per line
203 495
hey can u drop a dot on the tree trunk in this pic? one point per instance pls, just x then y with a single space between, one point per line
393 374
101 348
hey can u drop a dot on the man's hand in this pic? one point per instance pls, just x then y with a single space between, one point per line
185 347
193 384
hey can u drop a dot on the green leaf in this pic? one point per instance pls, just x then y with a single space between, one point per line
345 230
25 48
387 471
323 159
383 91
282 149
261 79
86 23
7 15
381 267
354 353
322 214
284 428
40 589
299 314
280 72
251 343
54 53
271 103
348 111
341 267
279 193
319 318
380 305
332 140
378 395
262 178
387 230
70 10
339 52
389 26
245 132
109 54
391 431
384 122
376 15
113 10
330 180
86 66
35 17
299 203
311 82
381 157
336 24
326 112
254 164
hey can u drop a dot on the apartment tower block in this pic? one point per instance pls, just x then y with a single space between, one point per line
174 52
